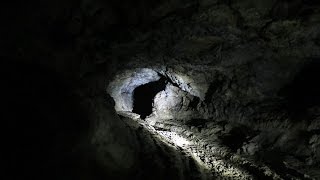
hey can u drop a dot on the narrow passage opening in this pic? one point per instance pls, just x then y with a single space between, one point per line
143 96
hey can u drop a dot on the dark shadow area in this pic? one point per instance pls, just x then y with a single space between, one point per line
304 91
237 136
194 103
196 122
43 124
143 96
214 87
274 158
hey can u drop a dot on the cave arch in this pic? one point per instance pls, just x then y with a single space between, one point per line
143 96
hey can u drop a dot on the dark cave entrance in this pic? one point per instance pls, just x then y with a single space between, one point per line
143 96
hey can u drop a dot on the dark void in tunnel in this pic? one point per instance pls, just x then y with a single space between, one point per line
44 121
143 96
304 91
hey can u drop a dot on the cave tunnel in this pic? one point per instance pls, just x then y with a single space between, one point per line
143 96
238 96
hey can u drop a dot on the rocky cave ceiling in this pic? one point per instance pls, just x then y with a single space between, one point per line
170 89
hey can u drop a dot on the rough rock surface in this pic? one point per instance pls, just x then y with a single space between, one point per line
237 58
241 99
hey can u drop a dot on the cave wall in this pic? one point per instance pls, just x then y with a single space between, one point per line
240 58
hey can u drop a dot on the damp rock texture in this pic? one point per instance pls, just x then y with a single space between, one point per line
170 89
